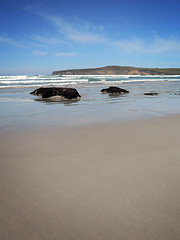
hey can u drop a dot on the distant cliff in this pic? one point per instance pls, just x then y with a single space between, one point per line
119 70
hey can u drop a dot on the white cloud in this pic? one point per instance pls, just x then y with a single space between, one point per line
85 37
65 54
45 39
154 46
88 34
39 53
82 33
12 42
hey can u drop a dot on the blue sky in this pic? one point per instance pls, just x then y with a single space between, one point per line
38 37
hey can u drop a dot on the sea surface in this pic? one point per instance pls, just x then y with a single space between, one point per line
20 110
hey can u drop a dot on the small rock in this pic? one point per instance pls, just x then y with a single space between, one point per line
115 90
151 93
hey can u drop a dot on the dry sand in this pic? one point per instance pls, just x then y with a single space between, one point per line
102 182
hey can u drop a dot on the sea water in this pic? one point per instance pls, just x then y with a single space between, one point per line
19 110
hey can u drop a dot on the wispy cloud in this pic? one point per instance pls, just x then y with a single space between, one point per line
82 35
87 34
155 46
68 32
39 53
45 39
11 42
86 37
65 54
78 31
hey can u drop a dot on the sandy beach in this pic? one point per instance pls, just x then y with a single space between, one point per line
107 181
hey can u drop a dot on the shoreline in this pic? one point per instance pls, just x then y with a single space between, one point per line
102 181
21 111
80 126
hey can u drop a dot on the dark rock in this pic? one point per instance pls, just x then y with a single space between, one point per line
115 90
69 93
151 93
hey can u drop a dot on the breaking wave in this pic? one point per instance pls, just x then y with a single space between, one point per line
28 81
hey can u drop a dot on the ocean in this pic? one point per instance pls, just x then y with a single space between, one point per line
21 111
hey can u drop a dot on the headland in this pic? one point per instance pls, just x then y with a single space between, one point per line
119 70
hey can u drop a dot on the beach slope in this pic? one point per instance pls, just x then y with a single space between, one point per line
106 181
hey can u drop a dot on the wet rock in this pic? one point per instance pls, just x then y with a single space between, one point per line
151 93
115 90
68 93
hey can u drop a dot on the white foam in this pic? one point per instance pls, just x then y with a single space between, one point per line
21 81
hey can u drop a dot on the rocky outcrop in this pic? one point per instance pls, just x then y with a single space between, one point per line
134 72
68 93
114 90
119 70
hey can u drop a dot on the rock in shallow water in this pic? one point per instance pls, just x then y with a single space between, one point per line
151 93
115 90
68 93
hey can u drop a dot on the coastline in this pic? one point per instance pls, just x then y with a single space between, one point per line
23 111
116 180
119 70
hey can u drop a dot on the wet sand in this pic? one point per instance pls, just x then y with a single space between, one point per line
107 181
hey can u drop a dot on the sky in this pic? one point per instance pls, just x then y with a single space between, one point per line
38 37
